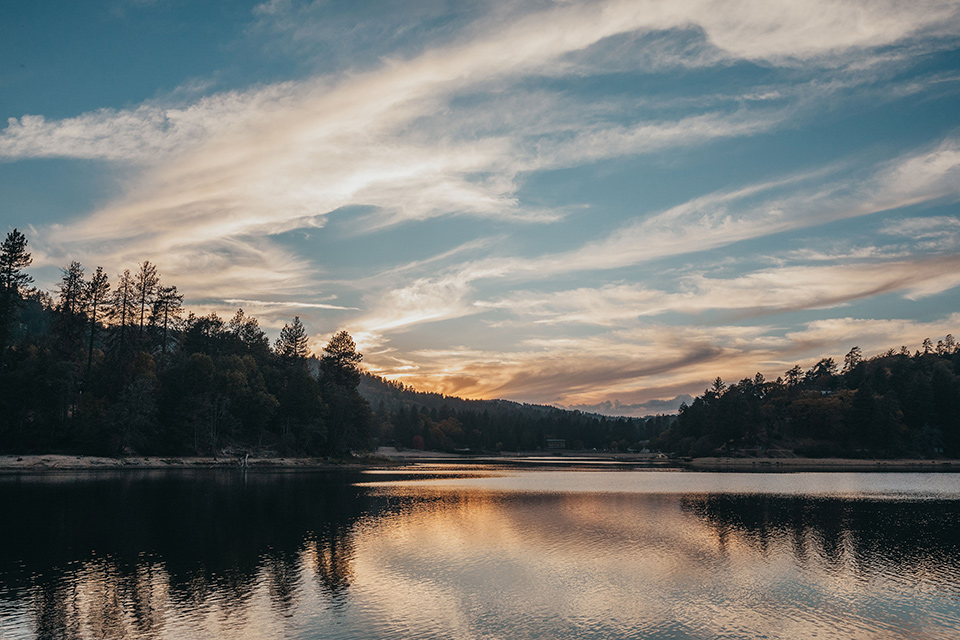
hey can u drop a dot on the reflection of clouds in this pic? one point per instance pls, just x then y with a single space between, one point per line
623 565
581 564
532 555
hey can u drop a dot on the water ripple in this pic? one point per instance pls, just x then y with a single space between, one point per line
623 555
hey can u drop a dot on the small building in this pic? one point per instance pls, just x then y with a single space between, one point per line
556 443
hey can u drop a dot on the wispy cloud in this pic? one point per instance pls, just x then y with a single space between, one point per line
758 293
934 227
872 335
423 300
710 221
284 156
654 362
267 304
764 209
755 211
147 134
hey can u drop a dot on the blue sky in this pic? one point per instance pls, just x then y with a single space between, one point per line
601 205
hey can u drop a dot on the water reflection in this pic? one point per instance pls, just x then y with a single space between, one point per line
612 565
136 556
318 556
914 542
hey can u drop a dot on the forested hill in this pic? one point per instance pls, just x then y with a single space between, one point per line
896 404
112 367
391 396
121 366
416 419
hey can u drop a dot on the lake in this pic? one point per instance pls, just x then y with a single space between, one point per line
480 553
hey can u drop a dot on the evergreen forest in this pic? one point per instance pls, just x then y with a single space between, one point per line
412 419
121 368
112 368
896 404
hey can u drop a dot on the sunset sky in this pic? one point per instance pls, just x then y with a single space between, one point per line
598 205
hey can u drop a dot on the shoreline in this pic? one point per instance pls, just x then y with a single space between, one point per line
43 463
794 465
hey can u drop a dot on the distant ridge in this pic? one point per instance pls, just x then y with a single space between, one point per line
394 395
416 419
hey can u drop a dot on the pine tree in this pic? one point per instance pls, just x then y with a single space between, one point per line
72 290
166 309
794 375
292 343
146 286
340 362
248 335
14 258
852 359
123 307
97 291
71 305
349 418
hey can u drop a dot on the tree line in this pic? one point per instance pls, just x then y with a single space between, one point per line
107 368
122 367
896 404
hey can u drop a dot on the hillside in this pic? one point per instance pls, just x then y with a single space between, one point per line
415 419
894 405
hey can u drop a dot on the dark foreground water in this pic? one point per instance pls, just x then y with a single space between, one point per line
554 554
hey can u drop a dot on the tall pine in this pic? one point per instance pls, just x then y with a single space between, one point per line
14 258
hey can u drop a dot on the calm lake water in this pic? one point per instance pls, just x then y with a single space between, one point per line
480 555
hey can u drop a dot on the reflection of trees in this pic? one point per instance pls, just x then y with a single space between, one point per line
283 576
910 538
49 608
100 601
114 555
334 570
